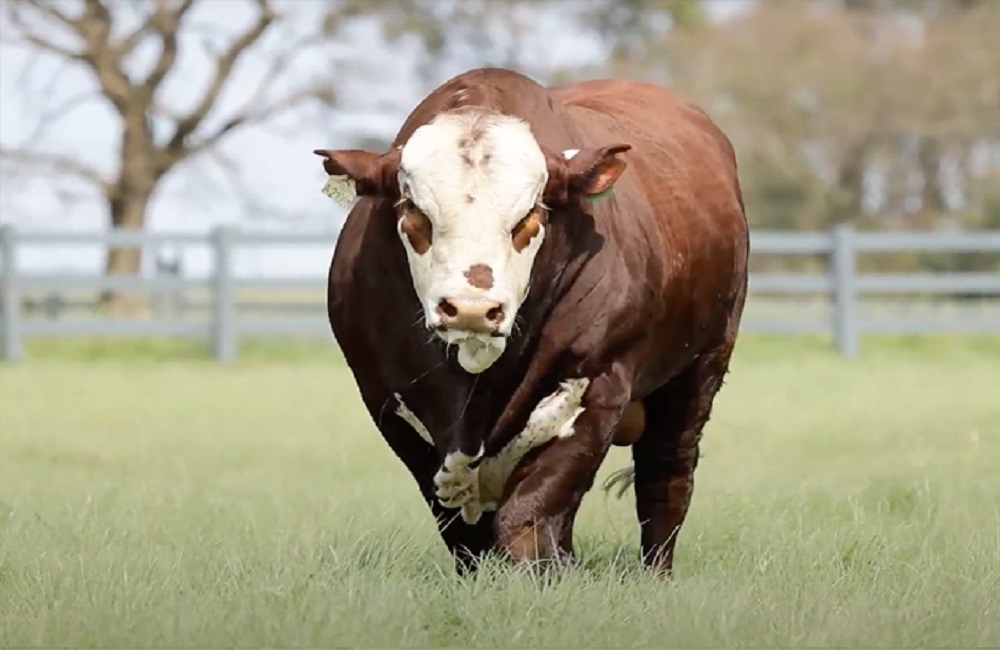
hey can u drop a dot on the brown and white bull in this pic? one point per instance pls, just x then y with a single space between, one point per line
528 276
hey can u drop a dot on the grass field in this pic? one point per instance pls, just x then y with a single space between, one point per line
149 502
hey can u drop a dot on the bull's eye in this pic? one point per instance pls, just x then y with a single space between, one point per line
417 228
526 229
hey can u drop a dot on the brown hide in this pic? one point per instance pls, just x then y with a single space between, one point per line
641 292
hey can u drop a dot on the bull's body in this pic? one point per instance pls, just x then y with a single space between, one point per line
636 298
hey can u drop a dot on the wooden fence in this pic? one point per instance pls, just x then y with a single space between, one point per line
839 282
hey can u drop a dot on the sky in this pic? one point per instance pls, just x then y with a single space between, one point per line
276 167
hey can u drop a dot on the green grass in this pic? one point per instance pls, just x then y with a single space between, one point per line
154 502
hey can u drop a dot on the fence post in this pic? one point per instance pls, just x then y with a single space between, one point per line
223 306
845 318
11 342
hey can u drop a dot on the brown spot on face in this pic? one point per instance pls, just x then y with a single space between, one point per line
480 276
417 228
527 228
478 130
473 150
470 199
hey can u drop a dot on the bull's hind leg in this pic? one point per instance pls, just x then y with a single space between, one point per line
666 456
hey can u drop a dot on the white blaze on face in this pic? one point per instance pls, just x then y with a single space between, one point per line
475 176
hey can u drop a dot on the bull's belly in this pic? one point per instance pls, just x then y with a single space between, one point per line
476 484
631 425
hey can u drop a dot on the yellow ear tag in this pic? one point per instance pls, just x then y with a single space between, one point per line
341 189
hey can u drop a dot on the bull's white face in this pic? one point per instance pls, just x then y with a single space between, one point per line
472 223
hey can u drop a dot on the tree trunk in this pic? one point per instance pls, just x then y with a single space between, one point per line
126 213
847 200
932 200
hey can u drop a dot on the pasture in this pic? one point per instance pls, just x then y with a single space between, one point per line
149 497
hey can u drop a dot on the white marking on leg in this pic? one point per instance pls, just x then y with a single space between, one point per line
478 488
458 484
554 417
404 412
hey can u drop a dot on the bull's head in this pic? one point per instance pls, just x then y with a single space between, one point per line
473 192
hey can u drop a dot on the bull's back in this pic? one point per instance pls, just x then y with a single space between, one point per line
679 211
684 162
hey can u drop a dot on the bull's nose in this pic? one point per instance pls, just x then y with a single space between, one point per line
482 316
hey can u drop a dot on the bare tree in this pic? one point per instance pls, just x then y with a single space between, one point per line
108 39
454 35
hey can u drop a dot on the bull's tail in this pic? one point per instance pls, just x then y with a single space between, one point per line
621 480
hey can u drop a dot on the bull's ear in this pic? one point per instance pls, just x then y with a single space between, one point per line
355 172
593 172
557 187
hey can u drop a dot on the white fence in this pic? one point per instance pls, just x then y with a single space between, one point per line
840 282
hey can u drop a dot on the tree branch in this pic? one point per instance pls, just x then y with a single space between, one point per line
154 19
26 33
247 117
95 28
223 68
167 25
57 164
49 116
52 12
257 109
253 205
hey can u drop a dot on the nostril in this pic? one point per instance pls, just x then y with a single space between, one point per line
447 309
495 315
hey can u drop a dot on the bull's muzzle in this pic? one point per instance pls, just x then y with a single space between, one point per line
471 315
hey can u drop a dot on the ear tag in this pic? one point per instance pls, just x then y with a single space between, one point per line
600 196
341 189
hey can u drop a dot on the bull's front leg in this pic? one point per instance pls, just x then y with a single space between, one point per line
467 543
456 483
466 538
543 494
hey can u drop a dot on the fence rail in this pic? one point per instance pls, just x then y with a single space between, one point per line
842 283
